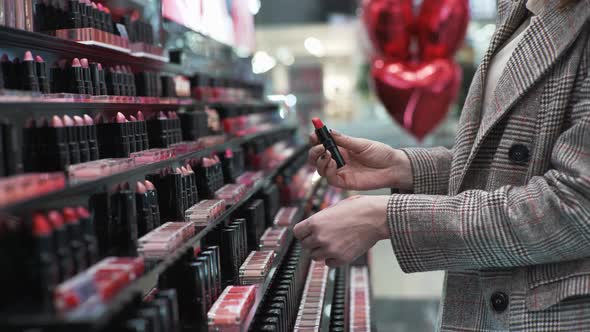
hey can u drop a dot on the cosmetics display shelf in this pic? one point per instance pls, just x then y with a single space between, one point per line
261 291
73 192
328 298
147 282
39 104
46 44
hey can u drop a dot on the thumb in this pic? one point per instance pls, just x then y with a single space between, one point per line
353 144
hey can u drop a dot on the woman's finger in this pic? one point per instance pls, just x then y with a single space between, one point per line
315 153
323 162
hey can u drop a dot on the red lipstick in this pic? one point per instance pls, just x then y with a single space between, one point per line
328 142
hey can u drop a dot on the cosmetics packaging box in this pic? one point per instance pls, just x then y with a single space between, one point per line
230 310
125 234
204 212
231 193
209 178
270 196
162 241
194 125
254 214
114 139
256 267
98 284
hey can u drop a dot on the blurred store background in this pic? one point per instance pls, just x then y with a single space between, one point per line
315 54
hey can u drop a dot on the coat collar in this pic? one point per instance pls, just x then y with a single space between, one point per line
549 36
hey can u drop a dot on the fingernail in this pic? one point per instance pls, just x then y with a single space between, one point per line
334 132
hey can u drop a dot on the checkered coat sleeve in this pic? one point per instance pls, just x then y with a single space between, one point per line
545 220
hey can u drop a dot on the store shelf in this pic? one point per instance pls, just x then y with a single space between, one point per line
73 192
261 292
145 284
39 42
23 104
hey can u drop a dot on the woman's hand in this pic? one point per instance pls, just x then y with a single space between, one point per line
369 164
347 230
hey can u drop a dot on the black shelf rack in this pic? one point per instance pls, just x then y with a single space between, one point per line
145 284
39 106
47 44
78 193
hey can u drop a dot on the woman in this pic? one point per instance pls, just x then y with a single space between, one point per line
506 212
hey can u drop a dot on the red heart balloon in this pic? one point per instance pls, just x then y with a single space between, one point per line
417 95
388 24
441 27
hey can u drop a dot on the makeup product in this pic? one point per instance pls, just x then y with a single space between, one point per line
95 286
28 72
125 222
114 137
256 267
204 212
19 12
88 235
75 75
72 138
327 141
285 217
61 245
231 193
273 238
163 240
153 200
254 215
42 73
194 125
270 196
87 76
77 245
230 310
45 266
145 221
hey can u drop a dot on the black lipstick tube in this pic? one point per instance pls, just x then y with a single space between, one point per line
327 141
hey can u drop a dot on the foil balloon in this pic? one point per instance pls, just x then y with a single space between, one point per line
441 27
388 25
418 96
417 86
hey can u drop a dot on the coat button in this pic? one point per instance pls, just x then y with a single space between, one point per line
519 153
499 301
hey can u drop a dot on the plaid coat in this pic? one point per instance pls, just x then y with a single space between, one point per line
507 211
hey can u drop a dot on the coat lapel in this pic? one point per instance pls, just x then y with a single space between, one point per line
546 39
510 16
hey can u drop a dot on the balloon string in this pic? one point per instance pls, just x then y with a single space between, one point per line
411 109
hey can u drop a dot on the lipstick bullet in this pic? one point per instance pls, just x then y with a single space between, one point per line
327 141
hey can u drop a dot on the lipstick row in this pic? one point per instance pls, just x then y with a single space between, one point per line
73 14
213 89
164 240
122 216
63 245
29 74
84 77
52 144
278 310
